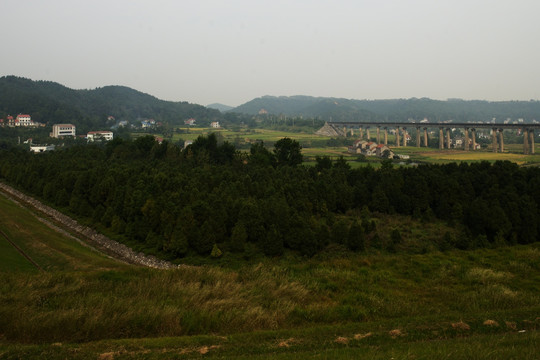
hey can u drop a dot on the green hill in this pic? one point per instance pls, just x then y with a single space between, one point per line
394 109
51 103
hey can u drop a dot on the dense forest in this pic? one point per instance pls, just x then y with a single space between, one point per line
210 197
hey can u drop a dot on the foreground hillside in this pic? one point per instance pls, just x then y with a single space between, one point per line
338 304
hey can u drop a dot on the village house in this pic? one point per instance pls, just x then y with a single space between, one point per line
23 120
61 130
384 151
215 124
189 122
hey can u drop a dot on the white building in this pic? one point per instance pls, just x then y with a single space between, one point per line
61 130
215 124
23 120
99 135
41 148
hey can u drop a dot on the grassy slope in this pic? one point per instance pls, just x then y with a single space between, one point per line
278 308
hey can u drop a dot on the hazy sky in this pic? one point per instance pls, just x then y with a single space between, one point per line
231 51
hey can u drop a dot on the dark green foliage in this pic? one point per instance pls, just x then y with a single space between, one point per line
183 202
356 241
288 152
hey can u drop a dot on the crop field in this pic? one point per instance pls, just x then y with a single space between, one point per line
418 303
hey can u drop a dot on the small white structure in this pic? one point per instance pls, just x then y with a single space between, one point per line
99 135
41 148
61 130
215 124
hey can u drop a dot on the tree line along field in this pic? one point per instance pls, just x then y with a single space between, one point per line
477 303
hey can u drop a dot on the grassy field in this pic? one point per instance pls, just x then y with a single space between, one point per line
419 303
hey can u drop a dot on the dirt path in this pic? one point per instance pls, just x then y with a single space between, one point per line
85 235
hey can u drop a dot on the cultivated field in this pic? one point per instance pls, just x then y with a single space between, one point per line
418 303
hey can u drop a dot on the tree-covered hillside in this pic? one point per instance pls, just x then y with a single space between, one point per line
52 103
393 110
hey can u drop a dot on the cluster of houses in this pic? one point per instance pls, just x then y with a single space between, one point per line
21 120
191 122
370 148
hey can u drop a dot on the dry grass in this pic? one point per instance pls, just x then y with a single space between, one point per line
461 326
491 323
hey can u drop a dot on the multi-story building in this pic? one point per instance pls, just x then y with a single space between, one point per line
23 120
61 130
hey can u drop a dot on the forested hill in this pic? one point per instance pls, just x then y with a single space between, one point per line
393 110
52 103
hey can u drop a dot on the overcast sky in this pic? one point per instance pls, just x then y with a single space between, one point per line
231 51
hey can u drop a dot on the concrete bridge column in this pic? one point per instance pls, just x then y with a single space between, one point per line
345 131
448 143
352 132
531 142
473 133
405 133
501 140
397 136
367 133
441 139
425 138
385 136
378 134
525 141
466 145
361 130
418 137
494 139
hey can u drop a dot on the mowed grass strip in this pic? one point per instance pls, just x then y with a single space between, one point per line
48 248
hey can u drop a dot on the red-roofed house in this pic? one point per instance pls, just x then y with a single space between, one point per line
23 120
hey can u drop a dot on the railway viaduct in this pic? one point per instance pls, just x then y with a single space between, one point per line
402 129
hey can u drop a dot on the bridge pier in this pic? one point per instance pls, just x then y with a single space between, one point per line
425 138
397 136
352 132
473 133
448 143
378 134
501 140
441 139
494 139
525 141
466 145
367 134
404 136
418 136
385 136
531 142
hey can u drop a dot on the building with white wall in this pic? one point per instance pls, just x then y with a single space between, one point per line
99 135
61 130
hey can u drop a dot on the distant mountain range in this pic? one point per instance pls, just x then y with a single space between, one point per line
220 107
52 103
338 109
